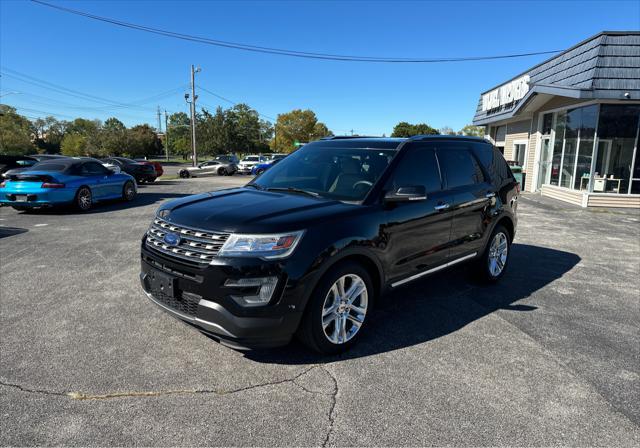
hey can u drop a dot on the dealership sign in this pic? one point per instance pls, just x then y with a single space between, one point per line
506 94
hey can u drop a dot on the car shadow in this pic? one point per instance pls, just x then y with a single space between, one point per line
11 231
142 199
441 304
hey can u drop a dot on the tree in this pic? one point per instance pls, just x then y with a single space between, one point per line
179 134
48 133
74 144
90 131
471 130
143 141
15 132
447 130
297 125
404 129
113 137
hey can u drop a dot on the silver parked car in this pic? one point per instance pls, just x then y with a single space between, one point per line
210 168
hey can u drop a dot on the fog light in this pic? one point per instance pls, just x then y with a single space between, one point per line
262 289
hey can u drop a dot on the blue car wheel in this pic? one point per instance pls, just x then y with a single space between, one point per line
129 191
84 198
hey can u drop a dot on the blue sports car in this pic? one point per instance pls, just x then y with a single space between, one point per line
262 167
80 181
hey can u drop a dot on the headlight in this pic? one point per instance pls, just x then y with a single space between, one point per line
269 246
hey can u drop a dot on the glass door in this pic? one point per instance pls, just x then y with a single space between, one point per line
544 165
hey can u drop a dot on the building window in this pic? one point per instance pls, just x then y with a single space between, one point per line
519 151
611 136
547 123
614 170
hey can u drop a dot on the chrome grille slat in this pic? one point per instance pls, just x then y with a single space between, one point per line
197 246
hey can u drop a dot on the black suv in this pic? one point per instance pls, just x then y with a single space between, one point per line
310 245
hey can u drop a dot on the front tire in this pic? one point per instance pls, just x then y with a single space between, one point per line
259 172
184 174
84 199
222 172
493 263
337 310
129 191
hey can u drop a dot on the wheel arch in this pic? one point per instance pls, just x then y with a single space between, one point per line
507 222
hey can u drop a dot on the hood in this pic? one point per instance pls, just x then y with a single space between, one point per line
253 211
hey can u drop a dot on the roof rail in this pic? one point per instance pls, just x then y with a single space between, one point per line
347 137
445 136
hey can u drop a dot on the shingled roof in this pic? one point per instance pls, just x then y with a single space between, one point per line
604 66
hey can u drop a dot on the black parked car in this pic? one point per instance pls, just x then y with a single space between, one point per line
15 164
308 247
142 172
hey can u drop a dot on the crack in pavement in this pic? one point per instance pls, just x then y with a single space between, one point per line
334 399
139 394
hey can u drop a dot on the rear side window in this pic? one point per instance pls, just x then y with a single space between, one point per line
417 167
50 166
459 167
93 168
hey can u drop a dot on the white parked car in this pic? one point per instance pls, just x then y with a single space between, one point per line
247 163
209 168
112 166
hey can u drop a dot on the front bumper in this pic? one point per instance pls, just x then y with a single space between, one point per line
201 299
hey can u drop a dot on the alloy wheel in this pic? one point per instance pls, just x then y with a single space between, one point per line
344 308
84 198
498 253
129 191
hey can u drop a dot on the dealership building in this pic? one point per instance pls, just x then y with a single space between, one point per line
572 122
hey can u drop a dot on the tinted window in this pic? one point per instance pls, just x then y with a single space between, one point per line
50 166
93 168
459 167
417 167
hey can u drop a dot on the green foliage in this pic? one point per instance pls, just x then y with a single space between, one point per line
48 133
404 129
90 131
236 130
297 125
447 130
114 137
75 145
471 130
15 133
178 136
143 141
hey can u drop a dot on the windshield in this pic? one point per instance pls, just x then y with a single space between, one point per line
346 174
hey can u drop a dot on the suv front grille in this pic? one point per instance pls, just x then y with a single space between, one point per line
197 246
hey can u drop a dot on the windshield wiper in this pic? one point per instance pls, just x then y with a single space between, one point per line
256 186
294 190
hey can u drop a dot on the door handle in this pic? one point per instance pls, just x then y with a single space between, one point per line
490 195
441 207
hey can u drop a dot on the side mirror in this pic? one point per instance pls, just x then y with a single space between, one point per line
407 194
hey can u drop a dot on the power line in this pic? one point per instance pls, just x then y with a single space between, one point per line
280 51
231 102
110 104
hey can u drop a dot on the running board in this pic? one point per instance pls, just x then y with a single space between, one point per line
431 271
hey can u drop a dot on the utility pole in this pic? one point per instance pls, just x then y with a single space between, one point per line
159 123
194 97
166 135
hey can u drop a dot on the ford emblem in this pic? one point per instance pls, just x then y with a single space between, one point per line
171 239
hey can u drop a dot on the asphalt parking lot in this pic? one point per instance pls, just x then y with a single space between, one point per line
550 356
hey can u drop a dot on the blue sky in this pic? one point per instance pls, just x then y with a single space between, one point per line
126 65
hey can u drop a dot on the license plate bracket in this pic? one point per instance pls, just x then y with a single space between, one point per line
162 283
21 198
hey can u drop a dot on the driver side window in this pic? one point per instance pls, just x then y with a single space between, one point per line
418 166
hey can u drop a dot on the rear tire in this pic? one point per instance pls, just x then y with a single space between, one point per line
128 191
493 263
184 174
334 319
84 199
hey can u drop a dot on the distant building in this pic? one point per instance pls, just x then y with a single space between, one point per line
573 121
